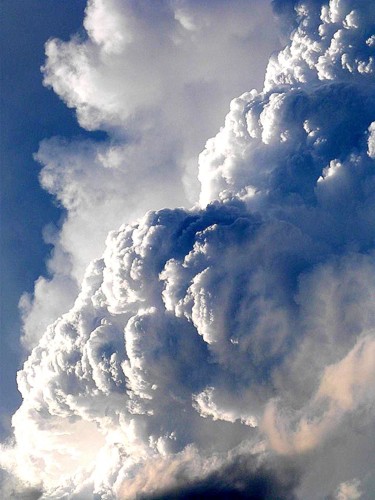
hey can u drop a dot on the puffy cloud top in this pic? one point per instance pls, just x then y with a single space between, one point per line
156 78
278 142
235 339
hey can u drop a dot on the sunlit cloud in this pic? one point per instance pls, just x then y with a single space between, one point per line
222 348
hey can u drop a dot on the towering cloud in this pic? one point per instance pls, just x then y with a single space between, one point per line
156 78
227 349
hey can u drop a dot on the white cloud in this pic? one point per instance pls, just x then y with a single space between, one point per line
205 404
349 490
210 337
157 78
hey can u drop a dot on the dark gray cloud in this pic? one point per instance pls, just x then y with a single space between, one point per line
242 479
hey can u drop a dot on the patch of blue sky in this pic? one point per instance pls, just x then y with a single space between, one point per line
29 113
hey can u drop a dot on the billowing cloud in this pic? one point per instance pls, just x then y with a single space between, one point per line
156 78
225 349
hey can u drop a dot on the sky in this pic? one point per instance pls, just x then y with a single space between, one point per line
29 113
187 231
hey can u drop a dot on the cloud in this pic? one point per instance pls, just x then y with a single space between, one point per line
349 490
245 477
225 349
156 79
343 388
13 489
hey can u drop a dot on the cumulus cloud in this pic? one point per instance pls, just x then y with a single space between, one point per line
156 78
349 490
225 349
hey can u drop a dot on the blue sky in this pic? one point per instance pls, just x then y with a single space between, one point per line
29 113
